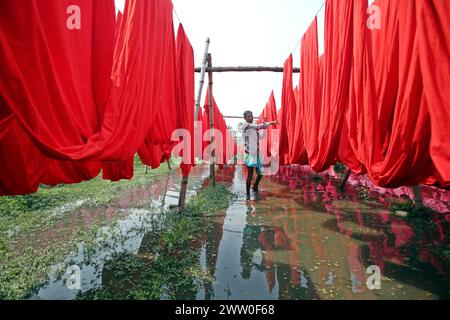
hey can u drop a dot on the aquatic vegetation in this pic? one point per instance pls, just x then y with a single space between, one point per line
26 257
167 265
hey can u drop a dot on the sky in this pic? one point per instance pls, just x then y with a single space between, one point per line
246 33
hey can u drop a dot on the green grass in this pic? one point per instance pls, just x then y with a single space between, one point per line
170 267
95 192
24 263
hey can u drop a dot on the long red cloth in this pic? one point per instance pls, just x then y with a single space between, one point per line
378 99
309 112
186 88
268 114
224 144
61 100
291 144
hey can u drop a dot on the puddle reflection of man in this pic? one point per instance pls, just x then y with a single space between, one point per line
252 135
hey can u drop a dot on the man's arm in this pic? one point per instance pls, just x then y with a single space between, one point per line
259 126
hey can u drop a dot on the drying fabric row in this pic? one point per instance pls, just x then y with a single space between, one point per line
378 99
74 101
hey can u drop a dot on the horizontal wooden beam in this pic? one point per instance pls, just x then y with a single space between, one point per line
246 69
234 117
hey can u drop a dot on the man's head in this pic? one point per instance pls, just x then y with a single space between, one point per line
248 116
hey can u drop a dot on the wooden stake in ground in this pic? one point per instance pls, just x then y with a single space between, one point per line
344 182
418 199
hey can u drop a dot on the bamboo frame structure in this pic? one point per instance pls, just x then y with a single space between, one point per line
245 69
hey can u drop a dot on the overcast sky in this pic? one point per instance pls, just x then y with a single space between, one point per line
246 33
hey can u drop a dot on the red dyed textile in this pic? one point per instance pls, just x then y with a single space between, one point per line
405 159
292 148
433 28
225 146
366 102
46 76
186 88
386 121
56 89
269 114
309 110
162 90
336 70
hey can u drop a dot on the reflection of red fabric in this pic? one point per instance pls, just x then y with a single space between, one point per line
268 259
403 233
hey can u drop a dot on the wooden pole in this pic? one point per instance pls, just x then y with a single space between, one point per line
185 179
211 123
418 199
182 199
202 70
236 117
347 176
245 69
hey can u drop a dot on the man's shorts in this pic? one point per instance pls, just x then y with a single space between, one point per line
253 161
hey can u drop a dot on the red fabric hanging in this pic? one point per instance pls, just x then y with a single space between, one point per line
406 159
361 115
57 85
269 114
336 70
309 110
62 118
433 29
52 79
292 150
31 52
186 87
225 148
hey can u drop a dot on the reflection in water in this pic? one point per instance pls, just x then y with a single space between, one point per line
140 212
303 239
300 239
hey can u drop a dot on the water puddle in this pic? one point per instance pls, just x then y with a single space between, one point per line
300 238
303 239
137 213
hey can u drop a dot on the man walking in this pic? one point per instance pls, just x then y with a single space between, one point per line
252 134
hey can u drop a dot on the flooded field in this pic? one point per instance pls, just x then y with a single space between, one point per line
299 238
302 239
